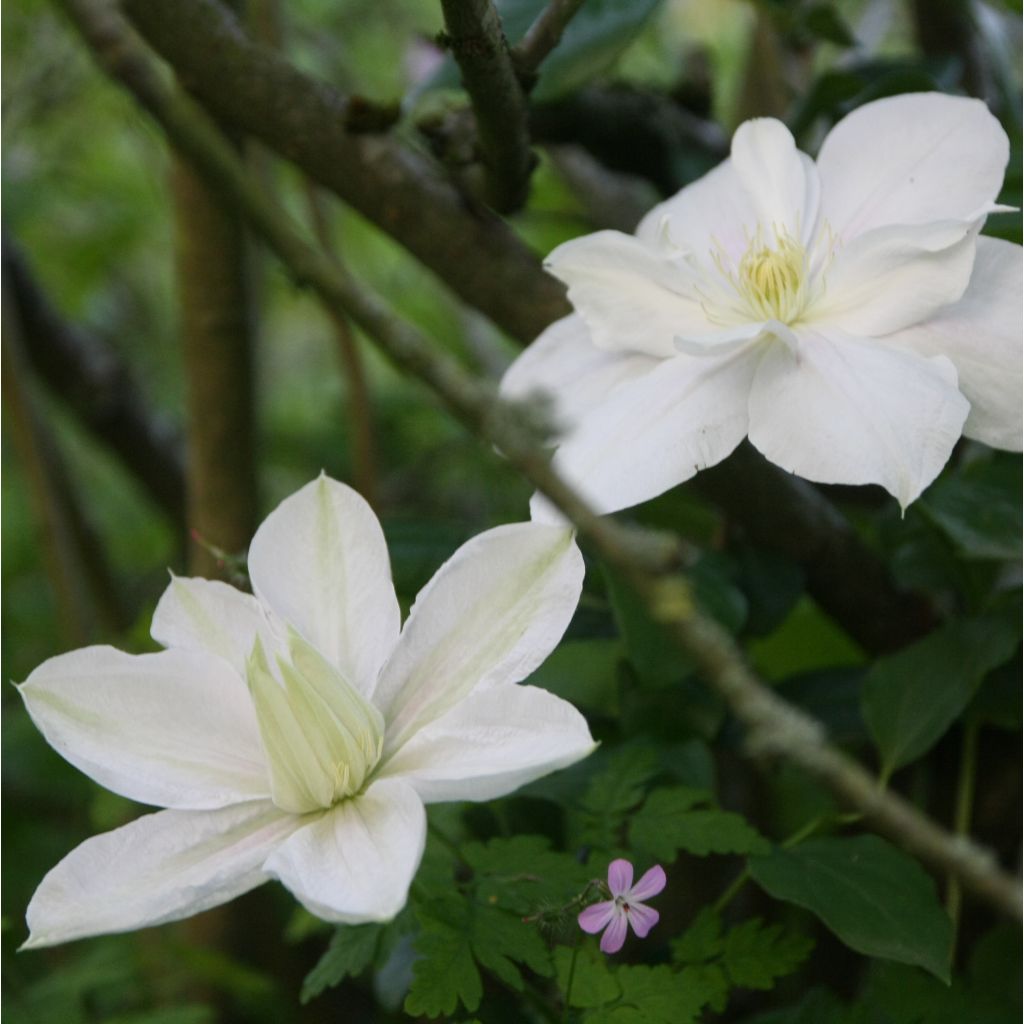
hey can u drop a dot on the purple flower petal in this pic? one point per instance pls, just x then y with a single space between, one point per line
650 884
595 917
615 933
620 876
642 918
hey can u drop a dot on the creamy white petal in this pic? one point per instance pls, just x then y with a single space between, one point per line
566 365
716 211
206 615
782 182
981 334
320 562
854 411
660 430
159 868
174 729
491 614
893 277
909 160
492 743
355 863
631 297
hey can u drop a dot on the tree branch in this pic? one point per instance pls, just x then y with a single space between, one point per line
396 187
90 377
478 43
543 35
645 560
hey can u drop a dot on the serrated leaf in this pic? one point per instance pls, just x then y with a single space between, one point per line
702 940
874 898
668 823
653 995
912 697
611 795
755 955
592 981
456 935
350 952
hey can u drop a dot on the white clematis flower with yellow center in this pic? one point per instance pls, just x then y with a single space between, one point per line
297 734
843 313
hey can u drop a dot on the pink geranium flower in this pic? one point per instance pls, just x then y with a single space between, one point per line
625 906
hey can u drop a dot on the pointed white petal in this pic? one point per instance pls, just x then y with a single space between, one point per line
174 729
660 430
491 614
782 182
492 743
909 160
205 615
319 561
159 868
631 297
355 863
566 365
853 411
981 335
715 211
893 277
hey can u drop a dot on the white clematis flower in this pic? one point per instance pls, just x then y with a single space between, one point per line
843 314
298 734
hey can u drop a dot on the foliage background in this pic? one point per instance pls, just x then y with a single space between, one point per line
86 198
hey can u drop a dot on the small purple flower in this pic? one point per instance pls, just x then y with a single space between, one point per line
624 906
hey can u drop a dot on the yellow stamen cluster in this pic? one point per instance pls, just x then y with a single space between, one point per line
772 280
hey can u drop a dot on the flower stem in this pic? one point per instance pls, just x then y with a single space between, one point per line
568 982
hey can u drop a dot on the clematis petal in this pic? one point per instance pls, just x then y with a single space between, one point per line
981 335
355 863
715 210
566 365
491 743
642 918
174 729
491 614
659 430
205 615
620 876
651 883
782 182
615 934
159 868
319 561
596 916
909 160
893 277
631 297
854 411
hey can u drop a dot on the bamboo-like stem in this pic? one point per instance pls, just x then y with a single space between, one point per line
648 562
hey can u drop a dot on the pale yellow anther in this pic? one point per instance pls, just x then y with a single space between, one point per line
772 278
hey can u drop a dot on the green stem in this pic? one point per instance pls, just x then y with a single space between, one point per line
962 817
568 982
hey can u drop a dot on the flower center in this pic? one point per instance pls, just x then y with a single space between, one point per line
772 280
322 737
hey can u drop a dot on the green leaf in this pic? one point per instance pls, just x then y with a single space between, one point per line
654 995
912 697
350 952
592 980
668 823
702 940
756 955
585 673
872 896
979 509
824 22
457 934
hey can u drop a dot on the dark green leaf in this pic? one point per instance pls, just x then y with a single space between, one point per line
756 955
912 697
668 823
875 898
584 672
592 981
350 951
825 22
702 940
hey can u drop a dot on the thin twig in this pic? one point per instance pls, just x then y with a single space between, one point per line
647 561
543 35
478 44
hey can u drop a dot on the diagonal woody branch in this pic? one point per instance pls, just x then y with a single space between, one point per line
398 188
645 560
478 44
